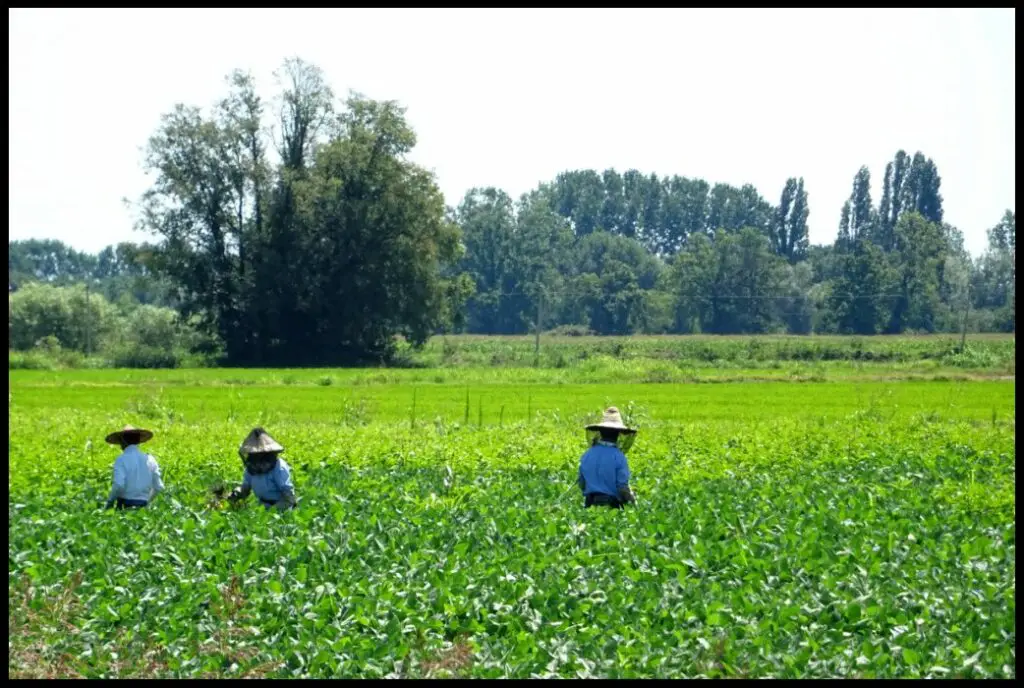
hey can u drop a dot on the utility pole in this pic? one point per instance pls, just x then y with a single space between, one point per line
536 340
967 312
88 324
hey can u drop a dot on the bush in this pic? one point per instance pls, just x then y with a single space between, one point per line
76 320
30 360
58 324
48 345
570 331
133 356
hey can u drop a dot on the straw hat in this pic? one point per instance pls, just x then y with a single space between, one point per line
116 437
259 442
612 420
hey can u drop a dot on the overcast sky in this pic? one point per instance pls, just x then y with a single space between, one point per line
510 98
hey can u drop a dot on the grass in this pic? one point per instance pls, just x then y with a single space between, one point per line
842 528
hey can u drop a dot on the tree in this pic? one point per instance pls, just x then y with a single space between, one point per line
859 296
542 240
613 208
47 260
346 250
921 250
789 226
374 240
613 276
77 320
651 231
733 209
579 196
910 185
857 218
994 279
487 221
690 277
192 206
798 310
730 285
633 190
1003 237
920 192
883 233
305 109
242 115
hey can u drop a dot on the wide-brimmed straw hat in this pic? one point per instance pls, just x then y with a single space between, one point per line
612 420
259 442
116 437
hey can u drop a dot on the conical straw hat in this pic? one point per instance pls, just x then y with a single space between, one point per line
259 442
612 420
143 435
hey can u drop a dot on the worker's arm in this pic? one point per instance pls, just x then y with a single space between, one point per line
580 480
154 471
120 479
243 490
622 480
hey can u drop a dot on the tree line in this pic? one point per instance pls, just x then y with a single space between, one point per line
296 231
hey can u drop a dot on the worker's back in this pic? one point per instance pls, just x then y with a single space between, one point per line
603 470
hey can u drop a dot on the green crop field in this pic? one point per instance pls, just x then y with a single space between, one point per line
846 527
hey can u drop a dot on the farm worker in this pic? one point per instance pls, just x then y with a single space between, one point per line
604 473
136 474
265 474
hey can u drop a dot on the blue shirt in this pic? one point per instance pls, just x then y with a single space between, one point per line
603 470
270 487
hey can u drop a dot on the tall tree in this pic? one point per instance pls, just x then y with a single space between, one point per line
47 260
911 184
613 208
920 191
1003 237
305 110
789 226
540 260
994 281
730 285
580 196
633 190
883 232
242 114
858 214
353 245
192 205
487 220
616 272
859 299
920 252
651 231
374 240
798 309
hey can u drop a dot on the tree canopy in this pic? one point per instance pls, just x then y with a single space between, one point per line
296 231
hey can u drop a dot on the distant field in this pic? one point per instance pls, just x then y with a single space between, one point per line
851 527
263 395
983 351
468 359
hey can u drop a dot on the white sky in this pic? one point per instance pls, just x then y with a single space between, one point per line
510 98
